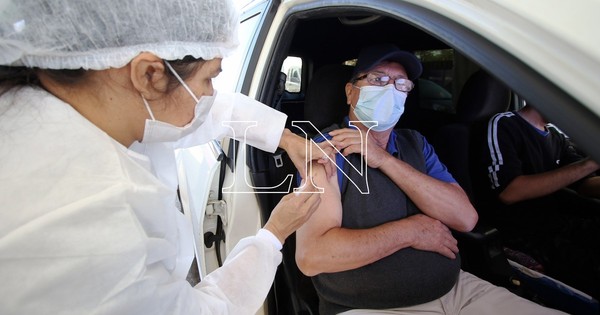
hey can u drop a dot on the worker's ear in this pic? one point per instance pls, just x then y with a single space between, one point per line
148 75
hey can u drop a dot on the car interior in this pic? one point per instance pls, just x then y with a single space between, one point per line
453 98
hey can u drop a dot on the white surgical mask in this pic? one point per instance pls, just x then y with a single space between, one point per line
379 107
159 131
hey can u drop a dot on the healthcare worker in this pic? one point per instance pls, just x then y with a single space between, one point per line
94 97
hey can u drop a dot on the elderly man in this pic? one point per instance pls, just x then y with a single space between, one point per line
384 244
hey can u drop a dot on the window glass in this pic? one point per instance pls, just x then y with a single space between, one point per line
436 85
292 68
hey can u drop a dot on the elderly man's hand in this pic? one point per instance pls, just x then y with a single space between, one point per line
432 235
356 141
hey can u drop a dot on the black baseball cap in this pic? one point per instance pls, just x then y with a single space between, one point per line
371 56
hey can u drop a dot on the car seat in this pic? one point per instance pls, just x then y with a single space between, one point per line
481 97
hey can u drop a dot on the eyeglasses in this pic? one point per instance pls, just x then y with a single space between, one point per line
382 79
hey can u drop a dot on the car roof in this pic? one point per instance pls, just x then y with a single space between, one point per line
557 38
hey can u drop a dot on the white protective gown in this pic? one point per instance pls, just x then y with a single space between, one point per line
86 228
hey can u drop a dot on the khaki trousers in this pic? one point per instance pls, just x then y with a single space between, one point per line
470 296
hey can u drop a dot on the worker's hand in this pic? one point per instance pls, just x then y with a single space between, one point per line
350 141
432 235
302 151
292 211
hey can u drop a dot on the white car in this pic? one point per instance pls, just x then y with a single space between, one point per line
543 51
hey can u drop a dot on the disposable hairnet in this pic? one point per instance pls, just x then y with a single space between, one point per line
101 34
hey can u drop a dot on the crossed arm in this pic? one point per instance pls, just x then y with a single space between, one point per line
323 245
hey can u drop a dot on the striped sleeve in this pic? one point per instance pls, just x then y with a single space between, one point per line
499 148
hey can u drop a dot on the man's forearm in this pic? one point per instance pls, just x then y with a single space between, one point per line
341 249
527 187
440 200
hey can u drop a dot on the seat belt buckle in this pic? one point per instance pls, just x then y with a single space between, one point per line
278 160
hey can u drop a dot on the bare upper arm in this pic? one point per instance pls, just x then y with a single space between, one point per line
329 213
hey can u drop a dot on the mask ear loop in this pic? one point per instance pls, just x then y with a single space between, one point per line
358 87
185 86
147 107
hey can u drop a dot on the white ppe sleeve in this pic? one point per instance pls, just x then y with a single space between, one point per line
267 235
242 118
241 285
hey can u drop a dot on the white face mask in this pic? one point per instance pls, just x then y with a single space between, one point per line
379 107
158 131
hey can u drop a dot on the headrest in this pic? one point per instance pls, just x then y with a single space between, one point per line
481 97
325 102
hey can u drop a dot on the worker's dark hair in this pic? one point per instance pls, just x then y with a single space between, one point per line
11 77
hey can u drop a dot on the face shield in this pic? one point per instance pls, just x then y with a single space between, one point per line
97 35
